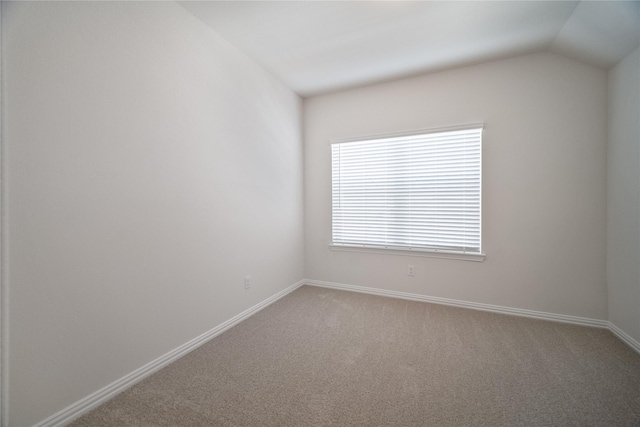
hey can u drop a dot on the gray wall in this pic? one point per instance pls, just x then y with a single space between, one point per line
623 195
544 182
151 166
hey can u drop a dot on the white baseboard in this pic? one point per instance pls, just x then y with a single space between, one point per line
97 398
623 336
90 402
465 304
584 321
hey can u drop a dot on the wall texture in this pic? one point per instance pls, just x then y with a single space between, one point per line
623 195
544 179
151 166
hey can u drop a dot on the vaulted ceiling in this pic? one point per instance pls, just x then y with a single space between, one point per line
322 46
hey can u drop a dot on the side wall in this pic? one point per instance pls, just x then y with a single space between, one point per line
623 195
544 182
151 166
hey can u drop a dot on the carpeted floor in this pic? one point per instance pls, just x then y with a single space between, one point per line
322 357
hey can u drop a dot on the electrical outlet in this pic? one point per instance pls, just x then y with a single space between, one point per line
411 270
247 282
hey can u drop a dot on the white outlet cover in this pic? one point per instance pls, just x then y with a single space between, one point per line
411 271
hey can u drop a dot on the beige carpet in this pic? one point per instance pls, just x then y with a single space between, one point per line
321 357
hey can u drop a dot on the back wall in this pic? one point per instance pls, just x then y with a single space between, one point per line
544 179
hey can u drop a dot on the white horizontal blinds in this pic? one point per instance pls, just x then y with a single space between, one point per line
418 192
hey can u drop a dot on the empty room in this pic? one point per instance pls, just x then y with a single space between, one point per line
313 213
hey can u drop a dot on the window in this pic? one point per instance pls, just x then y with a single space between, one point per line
418 192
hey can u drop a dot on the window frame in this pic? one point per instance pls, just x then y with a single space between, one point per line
414 252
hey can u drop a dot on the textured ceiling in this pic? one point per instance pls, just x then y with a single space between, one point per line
316 47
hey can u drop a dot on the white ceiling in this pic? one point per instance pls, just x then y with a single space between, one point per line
322 46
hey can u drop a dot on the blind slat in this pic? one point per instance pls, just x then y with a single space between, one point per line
418 191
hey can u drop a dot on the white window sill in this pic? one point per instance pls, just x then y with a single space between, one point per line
463 256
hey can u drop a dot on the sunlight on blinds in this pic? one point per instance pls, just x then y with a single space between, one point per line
418 192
